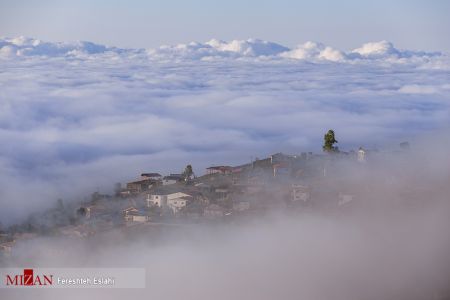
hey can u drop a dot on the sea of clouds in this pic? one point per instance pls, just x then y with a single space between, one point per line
78 117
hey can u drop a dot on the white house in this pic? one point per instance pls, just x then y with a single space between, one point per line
6 248
175 201
137 218
159 200
344 199
131 214
361 155
300 193
176 204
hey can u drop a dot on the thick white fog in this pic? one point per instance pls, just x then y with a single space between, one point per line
78 117
392 243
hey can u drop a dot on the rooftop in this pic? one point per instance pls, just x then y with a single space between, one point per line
151 175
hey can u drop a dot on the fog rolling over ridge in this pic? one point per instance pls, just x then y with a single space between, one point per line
78 117
391 243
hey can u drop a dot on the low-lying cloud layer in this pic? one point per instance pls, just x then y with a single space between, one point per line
77 117
390 242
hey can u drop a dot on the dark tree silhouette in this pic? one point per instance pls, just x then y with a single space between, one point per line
188 173
329 141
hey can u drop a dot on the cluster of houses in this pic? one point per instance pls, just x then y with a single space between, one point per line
6 244
275 181
148 180
223 193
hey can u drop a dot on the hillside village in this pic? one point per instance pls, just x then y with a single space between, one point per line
280 182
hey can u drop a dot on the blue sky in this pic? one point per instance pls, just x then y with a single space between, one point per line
345 24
